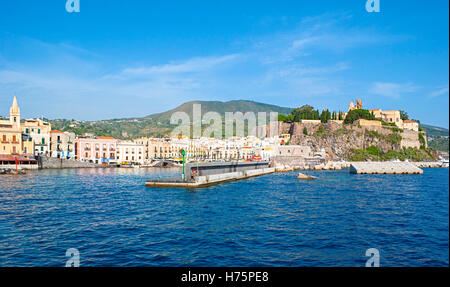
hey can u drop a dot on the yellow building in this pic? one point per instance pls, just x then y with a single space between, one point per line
389 116
12 142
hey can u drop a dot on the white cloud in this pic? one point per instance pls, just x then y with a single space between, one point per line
439 92
392 90
188 66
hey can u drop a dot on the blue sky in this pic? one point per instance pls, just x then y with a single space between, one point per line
134 58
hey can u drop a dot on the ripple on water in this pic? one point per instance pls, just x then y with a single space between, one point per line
272 220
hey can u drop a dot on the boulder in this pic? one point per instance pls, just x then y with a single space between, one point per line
303 176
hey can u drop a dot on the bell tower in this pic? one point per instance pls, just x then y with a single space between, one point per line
14 114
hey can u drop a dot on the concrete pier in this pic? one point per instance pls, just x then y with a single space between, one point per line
384 168
210 173
208 180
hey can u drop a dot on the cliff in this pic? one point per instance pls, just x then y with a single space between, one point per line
350 141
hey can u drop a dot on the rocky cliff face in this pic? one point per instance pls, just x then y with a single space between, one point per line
338 140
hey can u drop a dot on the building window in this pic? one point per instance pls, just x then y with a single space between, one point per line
39 131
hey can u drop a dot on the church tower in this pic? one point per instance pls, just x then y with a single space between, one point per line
14 114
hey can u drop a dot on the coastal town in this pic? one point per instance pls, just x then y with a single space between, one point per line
23 142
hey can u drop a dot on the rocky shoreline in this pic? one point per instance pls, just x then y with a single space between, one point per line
338 165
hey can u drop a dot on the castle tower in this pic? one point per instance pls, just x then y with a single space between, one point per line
359 104
351 106
14 114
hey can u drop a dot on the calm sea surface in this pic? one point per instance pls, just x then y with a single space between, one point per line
273 220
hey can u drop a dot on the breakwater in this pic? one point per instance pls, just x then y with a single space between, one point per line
384 168
207 174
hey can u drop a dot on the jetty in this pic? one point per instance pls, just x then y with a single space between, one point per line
384 168
197 175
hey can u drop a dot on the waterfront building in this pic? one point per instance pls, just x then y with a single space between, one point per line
100 150
294 150
234 148
39 132
62 144
129 152
12 141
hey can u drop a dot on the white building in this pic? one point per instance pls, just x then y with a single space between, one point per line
411 125
294 150
39 131
130 153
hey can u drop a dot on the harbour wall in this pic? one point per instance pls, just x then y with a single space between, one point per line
56 163
296 162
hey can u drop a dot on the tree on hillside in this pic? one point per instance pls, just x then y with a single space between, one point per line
325 116
357 114
305 112
404 115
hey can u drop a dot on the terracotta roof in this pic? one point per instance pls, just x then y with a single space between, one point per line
375 110
105 138
56 132
409 121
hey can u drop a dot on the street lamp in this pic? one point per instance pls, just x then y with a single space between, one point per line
183 153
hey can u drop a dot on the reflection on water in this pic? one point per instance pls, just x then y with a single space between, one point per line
274 220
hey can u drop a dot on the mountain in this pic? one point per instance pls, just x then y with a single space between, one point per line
221 108
437 137
433 131
158 125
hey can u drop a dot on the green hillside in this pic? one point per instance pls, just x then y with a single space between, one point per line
434 131
158 125
437 137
